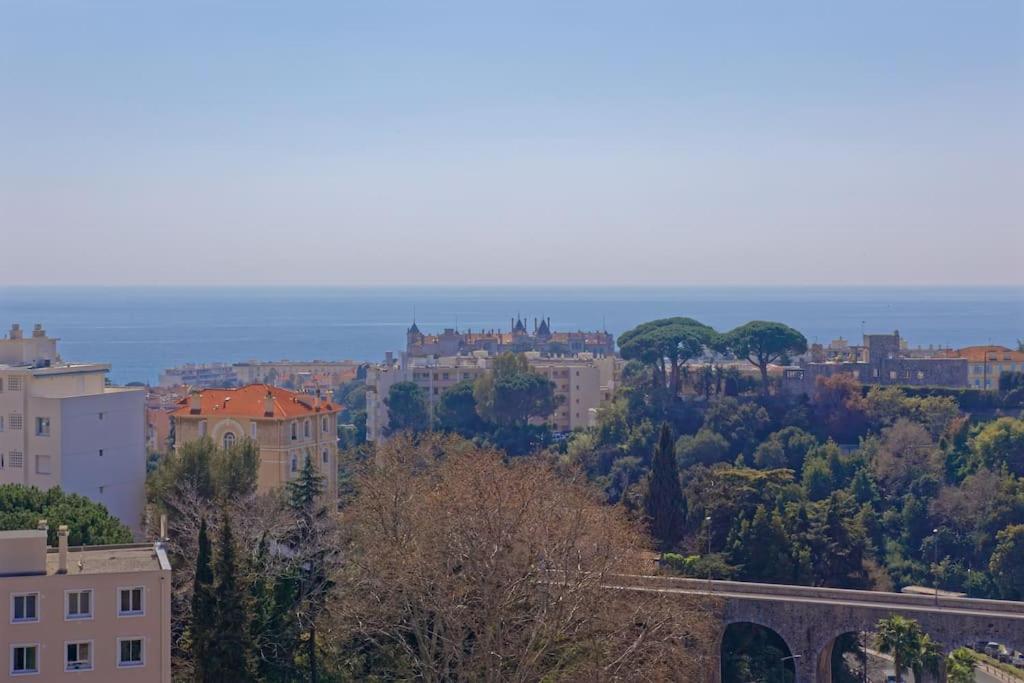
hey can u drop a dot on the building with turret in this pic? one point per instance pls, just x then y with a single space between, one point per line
518 338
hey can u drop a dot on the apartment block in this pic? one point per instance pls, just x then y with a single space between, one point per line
288 426
101 613
582 383
62 425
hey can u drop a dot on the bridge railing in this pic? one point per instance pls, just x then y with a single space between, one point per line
772 590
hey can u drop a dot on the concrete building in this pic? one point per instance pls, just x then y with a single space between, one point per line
582 383
883 361
289 427
61 425
327 374
987 363
543 339
99 614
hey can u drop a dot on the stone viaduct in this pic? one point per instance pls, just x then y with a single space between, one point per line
810 619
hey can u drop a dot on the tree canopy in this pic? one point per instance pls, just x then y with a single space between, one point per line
665 345
762 343
88 522
408 409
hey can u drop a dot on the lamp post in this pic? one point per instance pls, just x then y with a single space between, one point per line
793 657
935 563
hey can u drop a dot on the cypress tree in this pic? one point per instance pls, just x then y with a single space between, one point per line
664 501
229 649
305 503
202 627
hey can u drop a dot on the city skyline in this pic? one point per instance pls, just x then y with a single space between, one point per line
457 144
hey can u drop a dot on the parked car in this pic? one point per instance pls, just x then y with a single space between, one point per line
1018 659
992 649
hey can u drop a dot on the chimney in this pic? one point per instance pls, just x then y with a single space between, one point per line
42 525
62 544
37 330
163 527
195 402
268 404
15 331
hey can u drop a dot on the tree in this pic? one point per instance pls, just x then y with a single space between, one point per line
493 570
228 651
407 408
762 343
211 473
89 523
312 544
906 642
203 626
511 394
960 666
665 345
456 411
1001 442
762 549
664 503
1007 563
706 447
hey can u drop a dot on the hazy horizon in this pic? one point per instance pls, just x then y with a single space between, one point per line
461 145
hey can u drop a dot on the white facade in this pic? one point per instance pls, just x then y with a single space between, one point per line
60 425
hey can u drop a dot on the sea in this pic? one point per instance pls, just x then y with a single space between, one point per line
142 330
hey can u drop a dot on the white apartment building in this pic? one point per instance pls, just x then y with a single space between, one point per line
582 383
100 614
61 425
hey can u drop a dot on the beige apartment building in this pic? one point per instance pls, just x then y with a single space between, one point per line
288 426
61 425
582 383
100 614
986 363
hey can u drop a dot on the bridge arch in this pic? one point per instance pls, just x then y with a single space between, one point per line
739 634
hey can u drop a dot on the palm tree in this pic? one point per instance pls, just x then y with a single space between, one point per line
906 642
929 658
960 666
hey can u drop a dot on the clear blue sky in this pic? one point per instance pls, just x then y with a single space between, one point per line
518 142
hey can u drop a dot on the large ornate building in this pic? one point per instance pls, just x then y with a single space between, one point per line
451 342
288 426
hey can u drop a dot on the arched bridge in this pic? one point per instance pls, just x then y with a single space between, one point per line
810 619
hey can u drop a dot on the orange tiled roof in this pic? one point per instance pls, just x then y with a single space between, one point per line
977 354
248 401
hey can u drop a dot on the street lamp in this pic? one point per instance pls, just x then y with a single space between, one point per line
707 523
935 562
793 657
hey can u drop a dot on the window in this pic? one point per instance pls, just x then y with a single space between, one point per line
892 374
202 428
252 429
305 429
14 383
295 431
1 385
294 463
78 604
15 421
129 602
78 656
24 659
324 424
16 459
43 464
326 456
920 374
24 607
229 440
101 452
129 651
42 426
1 423
99 415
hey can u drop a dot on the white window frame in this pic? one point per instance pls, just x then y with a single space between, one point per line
323 424
252 429
25 595
92 655
67 604
33 672
307 429
43 426
224 439
142 601
325 456
142 653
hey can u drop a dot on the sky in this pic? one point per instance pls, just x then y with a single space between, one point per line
508 143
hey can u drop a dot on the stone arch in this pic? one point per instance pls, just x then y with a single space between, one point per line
760 624
825 664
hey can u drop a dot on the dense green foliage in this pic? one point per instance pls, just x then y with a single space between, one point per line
89 523
408 409
849 487
910 647
763 343
663 501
